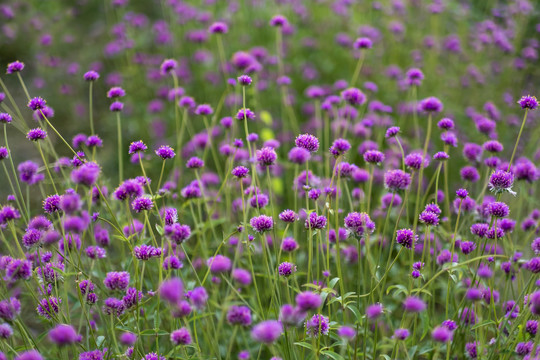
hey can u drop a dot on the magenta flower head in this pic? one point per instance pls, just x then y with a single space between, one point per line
414 77
278 21
498 209
442 334
363 43
116 106
446 124
415 161
4 153
142 203
414 304
406 238
204 109
359 224
239 315
181 337
308 142
146 252
136 147
315 222
288 216
28 355
14 67
116 92
430 105
91 75
317 325
240 172
167 66
298 155
195 163
501 181
218 28
346 332
245 114
528 102
354 96
262 223
165 152
395 180
36 134
172 290
244 80
308 300
219 264
392 132
374 311
401 334
373 157
267 331
37 103
286 269
116 280
266 156
64 334
5 118
339 147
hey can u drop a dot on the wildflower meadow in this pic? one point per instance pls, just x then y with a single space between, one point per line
269 179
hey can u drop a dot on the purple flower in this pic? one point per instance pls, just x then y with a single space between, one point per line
143 203
353 96
406 238
91 75
401 334
219 264
204 109
240 172
267 331
414 304
167 66
308 142
116 92
29 355
10 309
14 67
165 152
373 157
289 244
317 325
286 269
441 334
288 216
36 134
266 156
116 280
415 161
245 114
308 300
501 181
239 315
262 223
298 155
363 43
181 337
64 334
373 311
498 209
278 21
145 252
359 224
414 77
528 102
339 147
172 290
315 221
430 105
5 118
177 232
136 147
395 180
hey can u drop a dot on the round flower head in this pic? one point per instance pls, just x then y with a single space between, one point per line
414 77
116 280
94 141
244 80
262 223
165 152
181 337
219 264
195 163
308 142
267 331
462 193
142 203
346 332
36 134
363 43
172 290
373 311
278 21
414 304
498 209
239 315
528 102
429 218
340 147
288 216
501 181
5 118
4 153
240 172
406 238
359 224
266 156
286 269
64 334
218 28
298 155
37 103
354 96
116 106
289 244
28 355
204 109
146 252
446 124
415 161
395 180
441 156
91 75
245 114
14 67
469 173
373 157
308 300
116 92
441 334
493 146
31 237
136 147
392 132
430 104
315 221
317 325
168 65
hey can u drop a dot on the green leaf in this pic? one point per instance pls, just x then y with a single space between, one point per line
333 282
153 332
333 355
159 229
100 340
304 344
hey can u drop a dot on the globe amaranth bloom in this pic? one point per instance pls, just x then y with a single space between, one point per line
267 331
340 147
406 238
528 102
278 21
359 224
308 142
142 203
136 147
91 75
194 163
314 221
266 156
167 66
14 67
244 80
204 109
172 290
262 223
288 216
219 264
286 269
116 92
245 114
64 334
240 172
165 152
116 280
353 96
373 311
36 134
146 252
298 155
181 337
308 300
239 315
498 209
414 304
363 43
392 132
317 325
501 181
414 77
395 180
5 118
37 103
430 105
373 157
442 334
